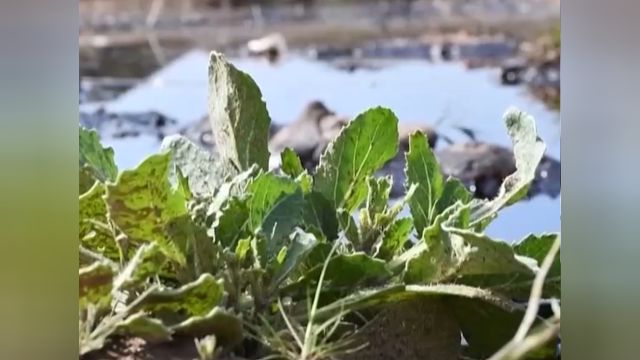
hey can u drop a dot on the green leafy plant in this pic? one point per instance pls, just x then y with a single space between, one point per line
207 244
314 341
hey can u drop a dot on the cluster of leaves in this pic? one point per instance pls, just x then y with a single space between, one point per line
208 245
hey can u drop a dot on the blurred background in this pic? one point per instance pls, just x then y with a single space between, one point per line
448 67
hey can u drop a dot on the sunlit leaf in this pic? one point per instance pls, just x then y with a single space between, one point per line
143 204
423 170
537 247
193 299
93 211
238 116
226 327
145 327
147 261
528 150
290 163
200 167
96 161
95 284
301 245
362 147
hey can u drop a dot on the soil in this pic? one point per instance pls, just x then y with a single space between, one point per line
138 349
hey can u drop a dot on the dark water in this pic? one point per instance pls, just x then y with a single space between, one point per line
441 94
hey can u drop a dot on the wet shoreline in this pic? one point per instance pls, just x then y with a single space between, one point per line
141 83
444 96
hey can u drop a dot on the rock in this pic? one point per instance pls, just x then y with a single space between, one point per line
482 167
512 71
272 46
305 134
548 178
200 133
330 52
128 124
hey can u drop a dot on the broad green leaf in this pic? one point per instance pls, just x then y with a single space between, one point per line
528 150
192 239
489 256
190 233
422 169
493 264
437 256
301 244
363 299
238 116
485 326
281 220
95 159
394 238
266 190
348 226
193 299
452 192
348 270
290 163
451 254
537 247
142 326
231 222
86 180
314 258
142 204
93 211
275 208
95 284
233 186
226 327
147 262
201 168
361 148
320 216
